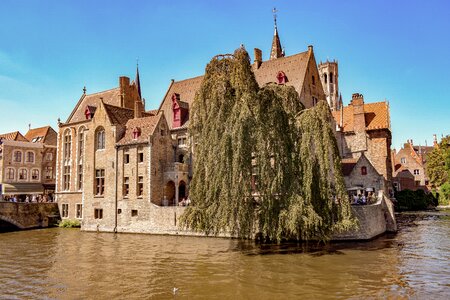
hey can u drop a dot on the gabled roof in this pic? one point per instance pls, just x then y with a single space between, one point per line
111 97
13 136
118 115
146 125
376 116
294 67
37 134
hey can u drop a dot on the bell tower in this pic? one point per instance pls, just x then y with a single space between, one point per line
329 77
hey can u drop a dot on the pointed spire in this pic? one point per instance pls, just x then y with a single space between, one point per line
276 51
137 81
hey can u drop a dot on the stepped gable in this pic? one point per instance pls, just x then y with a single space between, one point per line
111 97
376 116
13 136
146 126
118 115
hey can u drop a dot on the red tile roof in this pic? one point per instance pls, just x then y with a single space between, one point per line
33 134
146 125
13 136
376 116
118 115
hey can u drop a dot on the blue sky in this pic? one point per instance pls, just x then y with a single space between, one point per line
395 50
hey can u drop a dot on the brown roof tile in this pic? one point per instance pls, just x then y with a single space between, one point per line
146 125
13 136
37 133
118 115
111 97
376 116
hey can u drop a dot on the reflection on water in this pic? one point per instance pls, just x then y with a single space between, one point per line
68 264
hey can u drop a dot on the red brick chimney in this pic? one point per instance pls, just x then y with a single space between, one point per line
359 120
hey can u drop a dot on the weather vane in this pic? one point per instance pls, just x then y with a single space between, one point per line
274 11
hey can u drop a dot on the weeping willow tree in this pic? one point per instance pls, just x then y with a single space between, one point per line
262 163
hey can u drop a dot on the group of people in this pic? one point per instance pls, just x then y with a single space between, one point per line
28 198
184 202
362 199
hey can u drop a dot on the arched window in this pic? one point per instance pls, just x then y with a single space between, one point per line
35 174
100 138
313 80
325 77
23 174
331 77
10 174
30 157
17 156
67 147
363 170
81 142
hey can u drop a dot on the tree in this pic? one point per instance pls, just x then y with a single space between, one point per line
438 163
244 134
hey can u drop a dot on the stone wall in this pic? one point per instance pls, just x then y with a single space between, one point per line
28 215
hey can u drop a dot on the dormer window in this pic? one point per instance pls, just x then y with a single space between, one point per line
281 78
136 132
89 112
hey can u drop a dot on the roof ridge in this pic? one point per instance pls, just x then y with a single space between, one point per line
106 104
93 94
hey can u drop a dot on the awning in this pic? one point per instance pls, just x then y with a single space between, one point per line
22 188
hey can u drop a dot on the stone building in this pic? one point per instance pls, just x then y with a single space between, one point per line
27 163
364 129
361 175
411 159
116 162
329 77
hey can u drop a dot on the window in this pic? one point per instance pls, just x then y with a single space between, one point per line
23 174
98 213
126 157
48 172
416 172
35 174
363 170
331 77
100 139
163 130
99 182
79 211
80 177
314 99
136 132
30 156
181 141
313 80
403 160
64 210
119 211
81 143
140 189
66 178
17 156
67 145
49 156
126 186
325 78
134 212
140 155
10 174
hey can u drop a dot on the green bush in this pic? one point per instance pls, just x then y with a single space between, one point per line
444 194
69 224
414 200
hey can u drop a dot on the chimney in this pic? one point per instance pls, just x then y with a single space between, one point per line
138 108
310 48
359 120
124 84
258 58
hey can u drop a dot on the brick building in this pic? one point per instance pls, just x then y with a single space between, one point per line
364 129
411 159
27 163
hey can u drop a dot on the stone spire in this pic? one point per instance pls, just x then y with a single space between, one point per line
276 51
137 81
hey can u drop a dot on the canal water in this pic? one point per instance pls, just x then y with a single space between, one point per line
69 264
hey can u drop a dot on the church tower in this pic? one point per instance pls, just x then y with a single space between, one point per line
276 51
329 76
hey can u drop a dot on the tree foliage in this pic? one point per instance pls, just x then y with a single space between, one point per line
244 134
438 163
